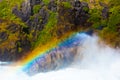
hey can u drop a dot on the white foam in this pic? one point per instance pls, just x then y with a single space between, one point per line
95 61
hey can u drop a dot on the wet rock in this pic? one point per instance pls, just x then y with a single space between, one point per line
5 55
90 32
59 57
3 36
53 60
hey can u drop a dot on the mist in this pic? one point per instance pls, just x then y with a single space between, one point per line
95 61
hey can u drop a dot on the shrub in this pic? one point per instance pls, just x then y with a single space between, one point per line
46 2
36 9
67 4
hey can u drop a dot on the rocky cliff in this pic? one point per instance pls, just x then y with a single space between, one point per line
25 24
40 21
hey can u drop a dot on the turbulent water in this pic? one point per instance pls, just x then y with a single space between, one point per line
95 61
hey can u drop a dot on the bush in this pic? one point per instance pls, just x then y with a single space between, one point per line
6 9
114 18
67 4
36 9
46 2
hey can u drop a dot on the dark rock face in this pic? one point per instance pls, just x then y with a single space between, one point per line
3 36
35 2
35 22
77 15
52 6
5 55
59 57
13 43
80 14
39 20
54 60
25 11
105 12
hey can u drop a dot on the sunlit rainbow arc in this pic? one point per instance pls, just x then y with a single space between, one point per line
72 41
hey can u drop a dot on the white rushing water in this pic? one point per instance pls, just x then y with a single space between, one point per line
95 61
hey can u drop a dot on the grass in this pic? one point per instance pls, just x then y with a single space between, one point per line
47 33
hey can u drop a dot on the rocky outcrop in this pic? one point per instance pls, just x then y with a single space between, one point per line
52 6
81 14
53 60
59 57
56 58
13 42
25 11
17 38
35 21
77 15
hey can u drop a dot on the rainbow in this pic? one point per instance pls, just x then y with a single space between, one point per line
53 57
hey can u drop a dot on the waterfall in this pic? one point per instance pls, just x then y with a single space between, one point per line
94 61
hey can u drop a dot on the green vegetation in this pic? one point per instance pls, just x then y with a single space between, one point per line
46 2
67 4
36 9
114 18
110 33
95 17
86 9
6 9
113 24
47 33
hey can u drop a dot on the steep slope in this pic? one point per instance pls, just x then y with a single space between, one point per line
27 24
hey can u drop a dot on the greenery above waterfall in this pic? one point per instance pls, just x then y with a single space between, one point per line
26 24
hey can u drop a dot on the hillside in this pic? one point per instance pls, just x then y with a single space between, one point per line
27 24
